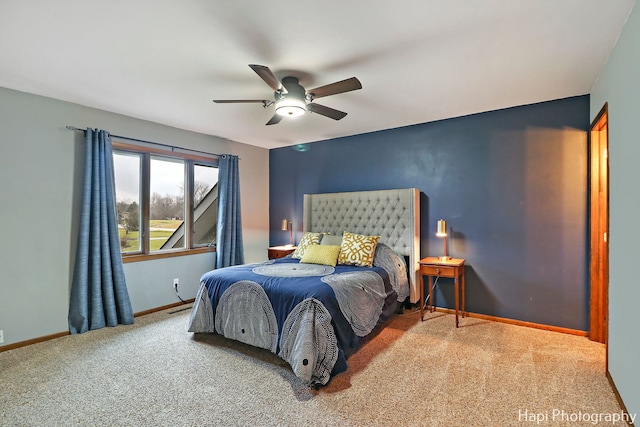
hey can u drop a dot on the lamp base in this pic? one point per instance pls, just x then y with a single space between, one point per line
444 258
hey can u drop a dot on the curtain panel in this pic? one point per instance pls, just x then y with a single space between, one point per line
99 295
229 247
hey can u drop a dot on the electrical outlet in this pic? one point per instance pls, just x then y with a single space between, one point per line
176 282
1 336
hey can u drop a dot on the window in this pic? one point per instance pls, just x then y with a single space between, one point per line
127 169
205 204
166 207
167 203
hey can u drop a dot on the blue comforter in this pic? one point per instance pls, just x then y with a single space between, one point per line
310 315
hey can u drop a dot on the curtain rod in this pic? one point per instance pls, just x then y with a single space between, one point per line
149 142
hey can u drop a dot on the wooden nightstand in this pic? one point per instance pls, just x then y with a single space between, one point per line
280 251
452 268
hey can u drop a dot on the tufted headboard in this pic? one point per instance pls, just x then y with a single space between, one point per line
394 215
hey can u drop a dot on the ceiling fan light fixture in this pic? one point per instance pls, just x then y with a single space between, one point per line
291 99
291 107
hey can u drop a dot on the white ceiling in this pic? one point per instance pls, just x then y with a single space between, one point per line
418 60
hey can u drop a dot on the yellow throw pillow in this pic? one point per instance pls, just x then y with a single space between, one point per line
357 249
308 238
321 254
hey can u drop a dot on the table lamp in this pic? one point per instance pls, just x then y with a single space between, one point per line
441 231
288 225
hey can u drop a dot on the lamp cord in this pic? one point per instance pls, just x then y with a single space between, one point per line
183 301
435 282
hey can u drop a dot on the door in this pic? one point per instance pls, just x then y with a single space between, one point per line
599 253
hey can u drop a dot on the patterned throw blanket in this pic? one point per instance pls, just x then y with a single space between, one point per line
310 315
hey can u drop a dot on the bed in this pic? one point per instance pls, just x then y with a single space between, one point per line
355 265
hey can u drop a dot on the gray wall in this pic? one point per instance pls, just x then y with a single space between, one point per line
619 85
41 166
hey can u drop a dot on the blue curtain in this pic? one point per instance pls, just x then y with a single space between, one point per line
99 294
229 250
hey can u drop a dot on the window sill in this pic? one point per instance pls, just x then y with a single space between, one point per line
159 255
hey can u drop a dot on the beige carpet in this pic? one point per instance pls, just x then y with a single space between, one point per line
155 373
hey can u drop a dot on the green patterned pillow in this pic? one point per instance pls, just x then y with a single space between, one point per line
321 254
357 249
308 238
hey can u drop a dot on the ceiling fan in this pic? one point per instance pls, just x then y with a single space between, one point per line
293 100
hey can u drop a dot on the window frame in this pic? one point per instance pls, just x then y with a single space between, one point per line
145 254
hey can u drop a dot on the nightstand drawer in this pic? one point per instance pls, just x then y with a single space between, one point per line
437 270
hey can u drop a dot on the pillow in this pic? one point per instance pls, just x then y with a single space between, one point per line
321 254
357 249
331 240
395 266
308 238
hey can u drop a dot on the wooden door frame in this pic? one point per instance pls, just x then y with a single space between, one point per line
599 228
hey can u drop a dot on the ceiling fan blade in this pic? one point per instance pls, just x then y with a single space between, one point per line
326 111
274 120
231 101
335 88
266 75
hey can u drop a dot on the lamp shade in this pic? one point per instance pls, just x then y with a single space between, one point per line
285 224
441 230
290 107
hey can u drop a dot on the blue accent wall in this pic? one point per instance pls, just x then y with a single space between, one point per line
511 184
